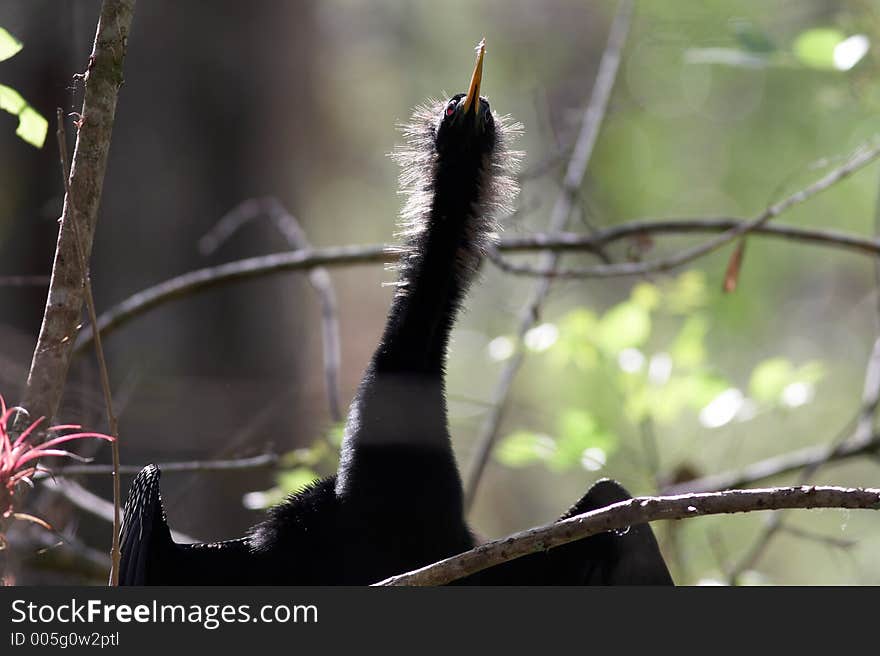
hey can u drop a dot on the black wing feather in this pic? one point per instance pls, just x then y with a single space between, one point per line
145 539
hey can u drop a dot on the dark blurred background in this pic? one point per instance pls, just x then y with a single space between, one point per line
226 101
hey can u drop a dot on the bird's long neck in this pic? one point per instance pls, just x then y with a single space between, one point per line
401 400
434 278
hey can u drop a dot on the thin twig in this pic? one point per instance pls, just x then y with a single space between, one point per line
251 462
828 540
863 156
632 512
763 470
593 115
99 351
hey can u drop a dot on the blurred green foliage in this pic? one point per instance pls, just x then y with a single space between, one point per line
32 127
654 380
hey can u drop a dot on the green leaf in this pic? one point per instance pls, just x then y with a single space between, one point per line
815 48
9 45
524 448
577 330
811 372
688 350
688 292
32 127
646 294
579 431
11 100
625 325
769 378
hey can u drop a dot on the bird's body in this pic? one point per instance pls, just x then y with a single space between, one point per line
395 503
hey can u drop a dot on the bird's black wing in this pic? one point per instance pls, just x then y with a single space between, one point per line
151 557
630 557
145 539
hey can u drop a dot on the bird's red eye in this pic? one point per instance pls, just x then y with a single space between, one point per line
450 109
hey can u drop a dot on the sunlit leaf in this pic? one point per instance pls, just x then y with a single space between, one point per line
524 448
625 325
9 45
851 51
688 292
646 294
577 330
810 372
11 100
305 457
32 127
541 337
769 378
688 350
815 48
579 432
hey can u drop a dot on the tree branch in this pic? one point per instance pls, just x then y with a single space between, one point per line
252 462
763 470
51 359
860 158
632 512
339 256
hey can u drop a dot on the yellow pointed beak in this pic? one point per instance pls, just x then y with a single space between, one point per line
473 97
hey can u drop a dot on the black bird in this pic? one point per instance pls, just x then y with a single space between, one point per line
395 503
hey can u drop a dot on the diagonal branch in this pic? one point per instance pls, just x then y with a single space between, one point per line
559 217
639 510
863 156
763 470
339 256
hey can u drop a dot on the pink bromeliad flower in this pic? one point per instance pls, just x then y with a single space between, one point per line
19 460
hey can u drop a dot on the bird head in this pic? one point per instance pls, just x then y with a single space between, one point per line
467 122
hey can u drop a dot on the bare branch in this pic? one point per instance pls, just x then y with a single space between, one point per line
787 463
864 155
319 278
210 277
51 359
252 462
639 510
593 115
